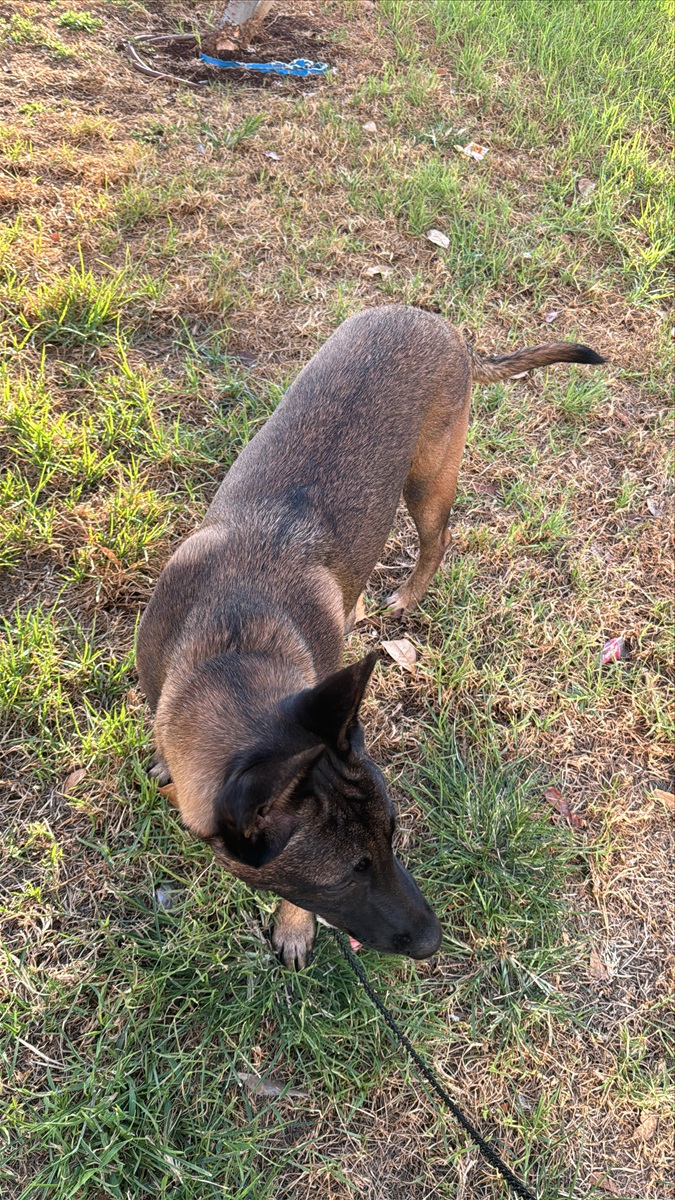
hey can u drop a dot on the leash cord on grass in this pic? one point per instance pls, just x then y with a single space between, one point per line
484 1147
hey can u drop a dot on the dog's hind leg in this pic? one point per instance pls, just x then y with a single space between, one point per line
293 935
429 492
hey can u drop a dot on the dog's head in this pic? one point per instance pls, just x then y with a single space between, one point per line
304 812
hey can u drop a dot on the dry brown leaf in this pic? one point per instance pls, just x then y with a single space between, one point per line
667 798
385 272
360 610
403 652
370 127
488 489
596 967
110 555
605 1185
559 803
647 1128
73 779
169 791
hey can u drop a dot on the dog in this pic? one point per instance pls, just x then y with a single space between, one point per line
239 649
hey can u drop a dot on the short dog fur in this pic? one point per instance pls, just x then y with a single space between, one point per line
239 648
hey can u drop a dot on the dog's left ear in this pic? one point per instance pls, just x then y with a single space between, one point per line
254 815
330 709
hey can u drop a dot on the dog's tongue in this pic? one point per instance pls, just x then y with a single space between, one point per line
352 941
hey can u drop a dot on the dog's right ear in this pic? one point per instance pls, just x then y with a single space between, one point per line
253 814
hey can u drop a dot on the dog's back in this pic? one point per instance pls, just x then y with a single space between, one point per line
336 452
303 514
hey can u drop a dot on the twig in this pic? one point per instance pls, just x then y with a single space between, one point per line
137 62
52 1061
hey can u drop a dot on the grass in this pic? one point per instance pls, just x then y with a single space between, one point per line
162 279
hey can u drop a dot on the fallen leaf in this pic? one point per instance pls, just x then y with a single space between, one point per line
360 610
110 555
596 967
271 154
559 803
520 375
169 791
585 188
438 238
646 1129
261 1086
403 652
370 127
551 316
224 45
605 1185
666 798
472 150
385 272
654 508
73 779
613 650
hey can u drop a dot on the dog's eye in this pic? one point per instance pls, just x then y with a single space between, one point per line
362 864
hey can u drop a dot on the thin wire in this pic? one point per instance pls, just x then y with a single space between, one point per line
484 1147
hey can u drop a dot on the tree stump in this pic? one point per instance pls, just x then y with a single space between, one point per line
238 23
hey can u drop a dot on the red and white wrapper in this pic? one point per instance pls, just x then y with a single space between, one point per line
613 651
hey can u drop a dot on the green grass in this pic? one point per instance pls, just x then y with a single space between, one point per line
84 21
177 255
158 1011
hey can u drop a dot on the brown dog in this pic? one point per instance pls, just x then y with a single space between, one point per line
239 648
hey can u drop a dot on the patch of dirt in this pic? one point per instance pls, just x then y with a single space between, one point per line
281 38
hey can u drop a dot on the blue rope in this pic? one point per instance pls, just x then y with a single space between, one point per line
299 66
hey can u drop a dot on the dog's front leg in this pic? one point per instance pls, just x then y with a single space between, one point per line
158 769
293 935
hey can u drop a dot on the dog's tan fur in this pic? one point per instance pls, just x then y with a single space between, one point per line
252 607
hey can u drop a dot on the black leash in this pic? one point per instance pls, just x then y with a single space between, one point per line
484 1147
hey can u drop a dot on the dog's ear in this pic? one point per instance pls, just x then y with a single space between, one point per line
253 819
330 709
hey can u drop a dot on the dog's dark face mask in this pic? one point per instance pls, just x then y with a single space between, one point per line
305 814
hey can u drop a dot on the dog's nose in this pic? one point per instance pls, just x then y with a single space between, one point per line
421 943
427 942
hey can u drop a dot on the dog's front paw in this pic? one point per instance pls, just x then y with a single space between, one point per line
158 770
293 935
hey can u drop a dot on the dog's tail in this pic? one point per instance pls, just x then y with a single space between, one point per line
503 366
